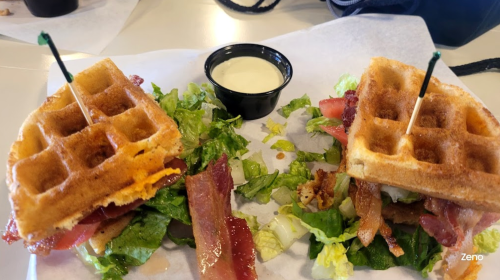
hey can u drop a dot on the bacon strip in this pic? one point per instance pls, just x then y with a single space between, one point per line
454 226
224 245
368 204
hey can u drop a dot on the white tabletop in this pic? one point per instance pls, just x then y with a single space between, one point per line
173 24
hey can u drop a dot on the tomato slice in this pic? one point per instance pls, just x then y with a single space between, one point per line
332 107
76 236
337 132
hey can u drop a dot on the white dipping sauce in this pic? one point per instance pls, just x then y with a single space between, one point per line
247 74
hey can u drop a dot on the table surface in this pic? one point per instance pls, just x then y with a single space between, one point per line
173 24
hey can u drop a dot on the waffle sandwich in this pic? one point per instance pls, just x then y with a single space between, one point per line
453 151
60 169
451 160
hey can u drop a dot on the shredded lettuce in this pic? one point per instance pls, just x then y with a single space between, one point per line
173 203
254 166
290 181
128 250
347 209
283 145
300 169
346 82
295 104
313 124
278 235
168 102
276 129
223 140
422 252
237 171
221 114
191 127
332 263
260 185
315 112
328 223
334 154
487 241
284 195
310 157
341 188
267 244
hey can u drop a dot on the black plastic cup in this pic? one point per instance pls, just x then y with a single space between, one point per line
51 8
249 105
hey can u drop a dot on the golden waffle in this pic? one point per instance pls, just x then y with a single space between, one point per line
60 169
453 151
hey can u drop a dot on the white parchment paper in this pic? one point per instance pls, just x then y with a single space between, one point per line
319 56
88 29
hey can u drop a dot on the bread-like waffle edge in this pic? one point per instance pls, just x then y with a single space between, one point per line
454 181
38 216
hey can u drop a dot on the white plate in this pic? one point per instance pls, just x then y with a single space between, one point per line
319 56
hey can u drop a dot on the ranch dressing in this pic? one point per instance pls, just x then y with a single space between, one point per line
247 74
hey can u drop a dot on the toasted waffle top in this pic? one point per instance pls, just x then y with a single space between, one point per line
453 151
60 169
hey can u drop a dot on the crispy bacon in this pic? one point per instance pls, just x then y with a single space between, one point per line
386 233
136 80
224 245
368 204
11 234
369 208
454 227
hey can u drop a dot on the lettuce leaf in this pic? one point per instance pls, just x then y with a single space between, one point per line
290 181
172 203
346 82
315 112
276 129
191 127
278 235
283 145
254 166
221 114
168 102
295 104
334 154
259 185
422 252
128 250
300 169
329 222
313 124
487 241
332 263
310 157
223 140
341 188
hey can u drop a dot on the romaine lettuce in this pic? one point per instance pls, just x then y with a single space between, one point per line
487 241
168 102
295 104
346 82
422 252
313 124
332 263
261 184
283 145
276 129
